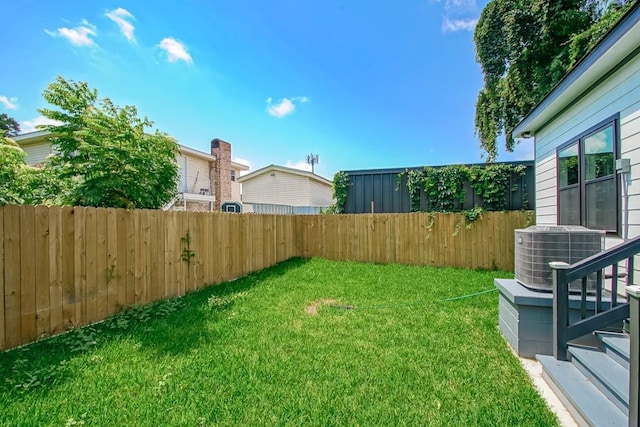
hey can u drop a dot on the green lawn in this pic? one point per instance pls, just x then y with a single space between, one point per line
307 342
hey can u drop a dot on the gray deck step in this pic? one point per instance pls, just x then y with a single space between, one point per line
583 400
616 346
603 372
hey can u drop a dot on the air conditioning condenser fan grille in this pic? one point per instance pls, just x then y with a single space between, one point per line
537 246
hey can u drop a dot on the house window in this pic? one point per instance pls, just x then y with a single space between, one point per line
233 175
587 184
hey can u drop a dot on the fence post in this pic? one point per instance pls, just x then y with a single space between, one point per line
634 357
560 309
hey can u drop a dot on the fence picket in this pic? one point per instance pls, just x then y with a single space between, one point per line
160 262
56 323
121 259
68 268
41 260
102 264
137 261
113 269
130 258
27 274
12 315
79 265
152 259
145 224
91 241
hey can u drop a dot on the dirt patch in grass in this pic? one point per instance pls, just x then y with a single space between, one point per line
311 308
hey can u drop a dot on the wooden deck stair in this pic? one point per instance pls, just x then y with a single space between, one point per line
594 385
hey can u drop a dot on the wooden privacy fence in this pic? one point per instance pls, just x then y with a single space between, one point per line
67 266
414 239
64 267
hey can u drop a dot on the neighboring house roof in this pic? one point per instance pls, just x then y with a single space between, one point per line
41 135
26 138
196 153
618 46
239 166
275 168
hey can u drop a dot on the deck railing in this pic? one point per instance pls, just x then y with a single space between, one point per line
615 312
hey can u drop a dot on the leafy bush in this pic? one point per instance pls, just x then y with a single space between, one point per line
106 156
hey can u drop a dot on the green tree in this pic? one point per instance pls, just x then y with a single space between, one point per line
12 168
524 48
106 158
9 125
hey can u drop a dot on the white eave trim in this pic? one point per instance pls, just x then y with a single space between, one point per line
284 169
26 137
196 153
31 135
239 166
619 43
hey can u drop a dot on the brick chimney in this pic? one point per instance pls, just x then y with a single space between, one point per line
221 171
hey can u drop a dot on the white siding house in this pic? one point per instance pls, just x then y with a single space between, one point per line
278 185
587 160
581 128
236 187
194 186
197 172
36 146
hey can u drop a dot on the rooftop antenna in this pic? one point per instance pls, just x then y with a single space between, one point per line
313 159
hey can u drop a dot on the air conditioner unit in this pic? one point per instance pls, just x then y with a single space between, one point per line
538 245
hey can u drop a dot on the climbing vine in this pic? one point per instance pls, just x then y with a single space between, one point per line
415 183
443 187
492 184
340 188
187 254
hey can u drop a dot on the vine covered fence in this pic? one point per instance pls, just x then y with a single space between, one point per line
452 188
64 267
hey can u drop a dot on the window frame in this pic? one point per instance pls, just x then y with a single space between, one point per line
614 123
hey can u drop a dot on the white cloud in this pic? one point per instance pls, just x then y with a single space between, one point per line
300 164
32 125
453 25
601 142
460 5
79 36
459 15
176 51
122 17
286 106
281 109
9 103
88 24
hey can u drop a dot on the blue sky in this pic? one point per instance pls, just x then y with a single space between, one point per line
363 84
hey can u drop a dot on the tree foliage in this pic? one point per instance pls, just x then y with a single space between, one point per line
105 156
11 170
524 48
9 125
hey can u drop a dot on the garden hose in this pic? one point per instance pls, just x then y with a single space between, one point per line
353 307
